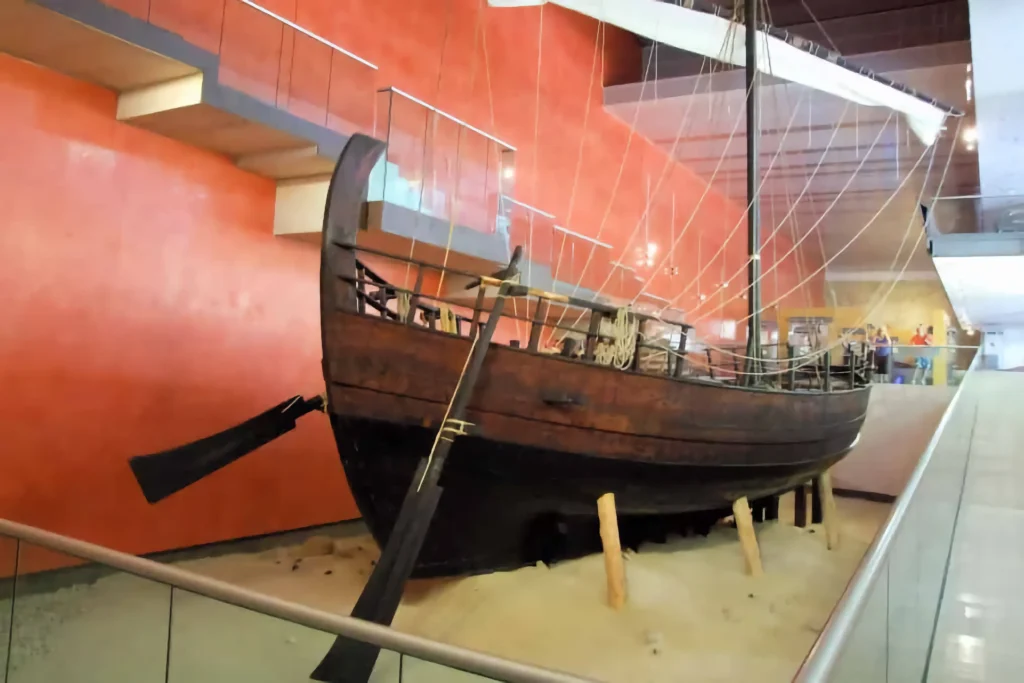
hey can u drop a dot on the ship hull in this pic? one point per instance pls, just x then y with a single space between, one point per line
545 435
504 506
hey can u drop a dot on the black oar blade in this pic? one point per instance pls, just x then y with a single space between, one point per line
352 661
161 474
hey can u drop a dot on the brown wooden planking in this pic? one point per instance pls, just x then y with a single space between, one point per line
417 363
368 404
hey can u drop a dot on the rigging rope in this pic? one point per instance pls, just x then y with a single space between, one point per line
831 205
599 42
742 218
619 175
670 160
849 243
876 307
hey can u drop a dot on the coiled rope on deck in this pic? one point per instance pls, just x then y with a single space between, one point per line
619 352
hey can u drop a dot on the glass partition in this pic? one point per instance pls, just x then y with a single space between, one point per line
8 569
270 57
267 56
70 620
534 230
70 623
975 213
924 365
212 641
893 600
440 167
421 671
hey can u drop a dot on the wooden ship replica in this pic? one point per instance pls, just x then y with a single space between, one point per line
468 456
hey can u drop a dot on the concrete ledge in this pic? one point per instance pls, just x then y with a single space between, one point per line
900 422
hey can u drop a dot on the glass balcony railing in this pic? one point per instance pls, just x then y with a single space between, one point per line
439 166
976 213
924 365
883 626
133 620
271 58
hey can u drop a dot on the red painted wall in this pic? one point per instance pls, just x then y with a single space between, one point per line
146 303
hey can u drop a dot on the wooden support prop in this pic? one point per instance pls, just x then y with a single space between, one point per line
816 516
771 509
352 661
829 512
748 540
612 551
800 506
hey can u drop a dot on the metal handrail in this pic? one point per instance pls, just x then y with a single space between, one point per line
357 629
308 33
451 117
825 653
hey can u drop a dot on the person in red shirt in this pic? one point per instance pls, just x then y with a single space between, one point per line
918 338
923 362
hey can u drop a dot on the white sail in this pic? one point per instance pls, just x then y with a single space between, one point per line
719 38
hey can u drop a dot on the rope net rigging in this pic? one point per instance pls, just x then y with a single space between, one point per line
787 240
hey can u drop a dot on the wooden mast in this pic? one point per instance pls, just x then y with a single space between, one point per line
753 202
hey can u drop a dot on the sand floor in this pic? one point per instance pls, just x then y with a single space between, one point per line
692 614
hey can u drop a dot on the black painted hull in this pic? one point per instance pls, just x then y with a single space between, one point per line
506 506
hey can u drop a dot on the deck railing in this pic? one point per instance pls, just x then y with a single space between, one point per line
660 346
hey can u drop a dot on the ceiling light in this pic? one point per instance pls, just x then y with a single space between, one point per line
652 249
509 172
970 135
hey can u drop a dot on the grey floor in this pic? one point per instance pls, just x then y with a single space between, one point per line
949 604
980 634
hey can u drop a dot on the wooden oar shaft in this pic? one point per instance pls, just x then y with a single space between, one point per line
350 661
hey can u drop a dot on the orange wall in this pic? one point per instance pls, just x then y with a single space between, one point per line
146 303
481 64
